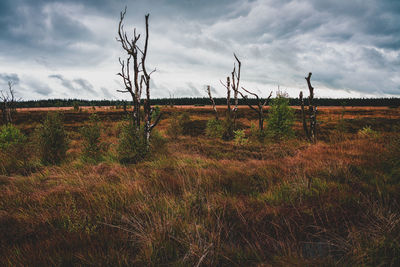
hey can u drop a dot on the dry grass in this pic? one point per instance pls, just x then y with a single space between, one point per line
209 202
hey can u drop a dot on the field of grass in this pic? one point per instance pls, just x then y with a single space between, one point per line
200 201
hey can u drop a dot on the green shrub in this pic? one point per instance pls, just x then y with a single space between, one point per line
15 152
51 139
220 129
367 132
156 112
157 143
185 122
228 127
281 118
215 128
179 124
131 144
11 136
256 135
240 137
91 140
175 128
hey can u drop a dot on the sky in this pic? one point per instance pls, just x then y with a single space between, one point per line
68 49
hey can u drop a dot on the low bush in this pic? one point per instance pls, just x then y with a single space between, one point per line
174 129
51 139
158 144
131 144
367 132
179 124
281 118
92 147
11 136
215 128
240 137
14 152
220 129
256 135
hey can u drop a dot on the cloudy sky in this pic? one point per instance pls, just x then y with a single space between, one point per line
67 49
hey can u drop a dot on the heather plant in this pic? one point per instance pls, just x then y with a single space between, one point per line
175 128
92 147
184 119
281 118
51 139
178 125
341 126
256 135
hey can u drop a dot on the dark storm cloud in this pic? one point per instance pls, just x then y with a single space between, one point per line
37 87
348 45
189 90
106 93
77 85
9 77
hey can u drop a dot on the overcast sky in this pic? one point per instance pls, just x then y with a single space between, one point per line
67 49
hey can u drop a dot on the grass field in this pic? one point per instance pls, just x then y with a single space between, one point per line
200 201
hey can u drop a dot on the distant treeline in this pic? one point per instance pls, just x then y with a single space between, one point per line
376 102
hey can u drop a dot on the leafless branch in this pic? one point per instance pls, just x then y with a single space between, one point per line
212 101
260 106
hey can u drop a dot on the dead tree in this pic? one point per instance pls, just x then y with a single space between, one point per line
260 106
8 104
171 100
141 77
310 131
212 102
233 84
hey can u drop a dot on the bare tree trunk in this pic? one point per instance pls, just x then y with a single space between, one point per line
235 88
303 116
135 89
3 112
312 112
8 107
233 85
212 101
228 97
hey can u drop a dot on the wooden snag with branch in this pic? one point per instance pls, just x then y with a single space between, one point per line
212 102
8 103
141 77
233 84
310 131
260 106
